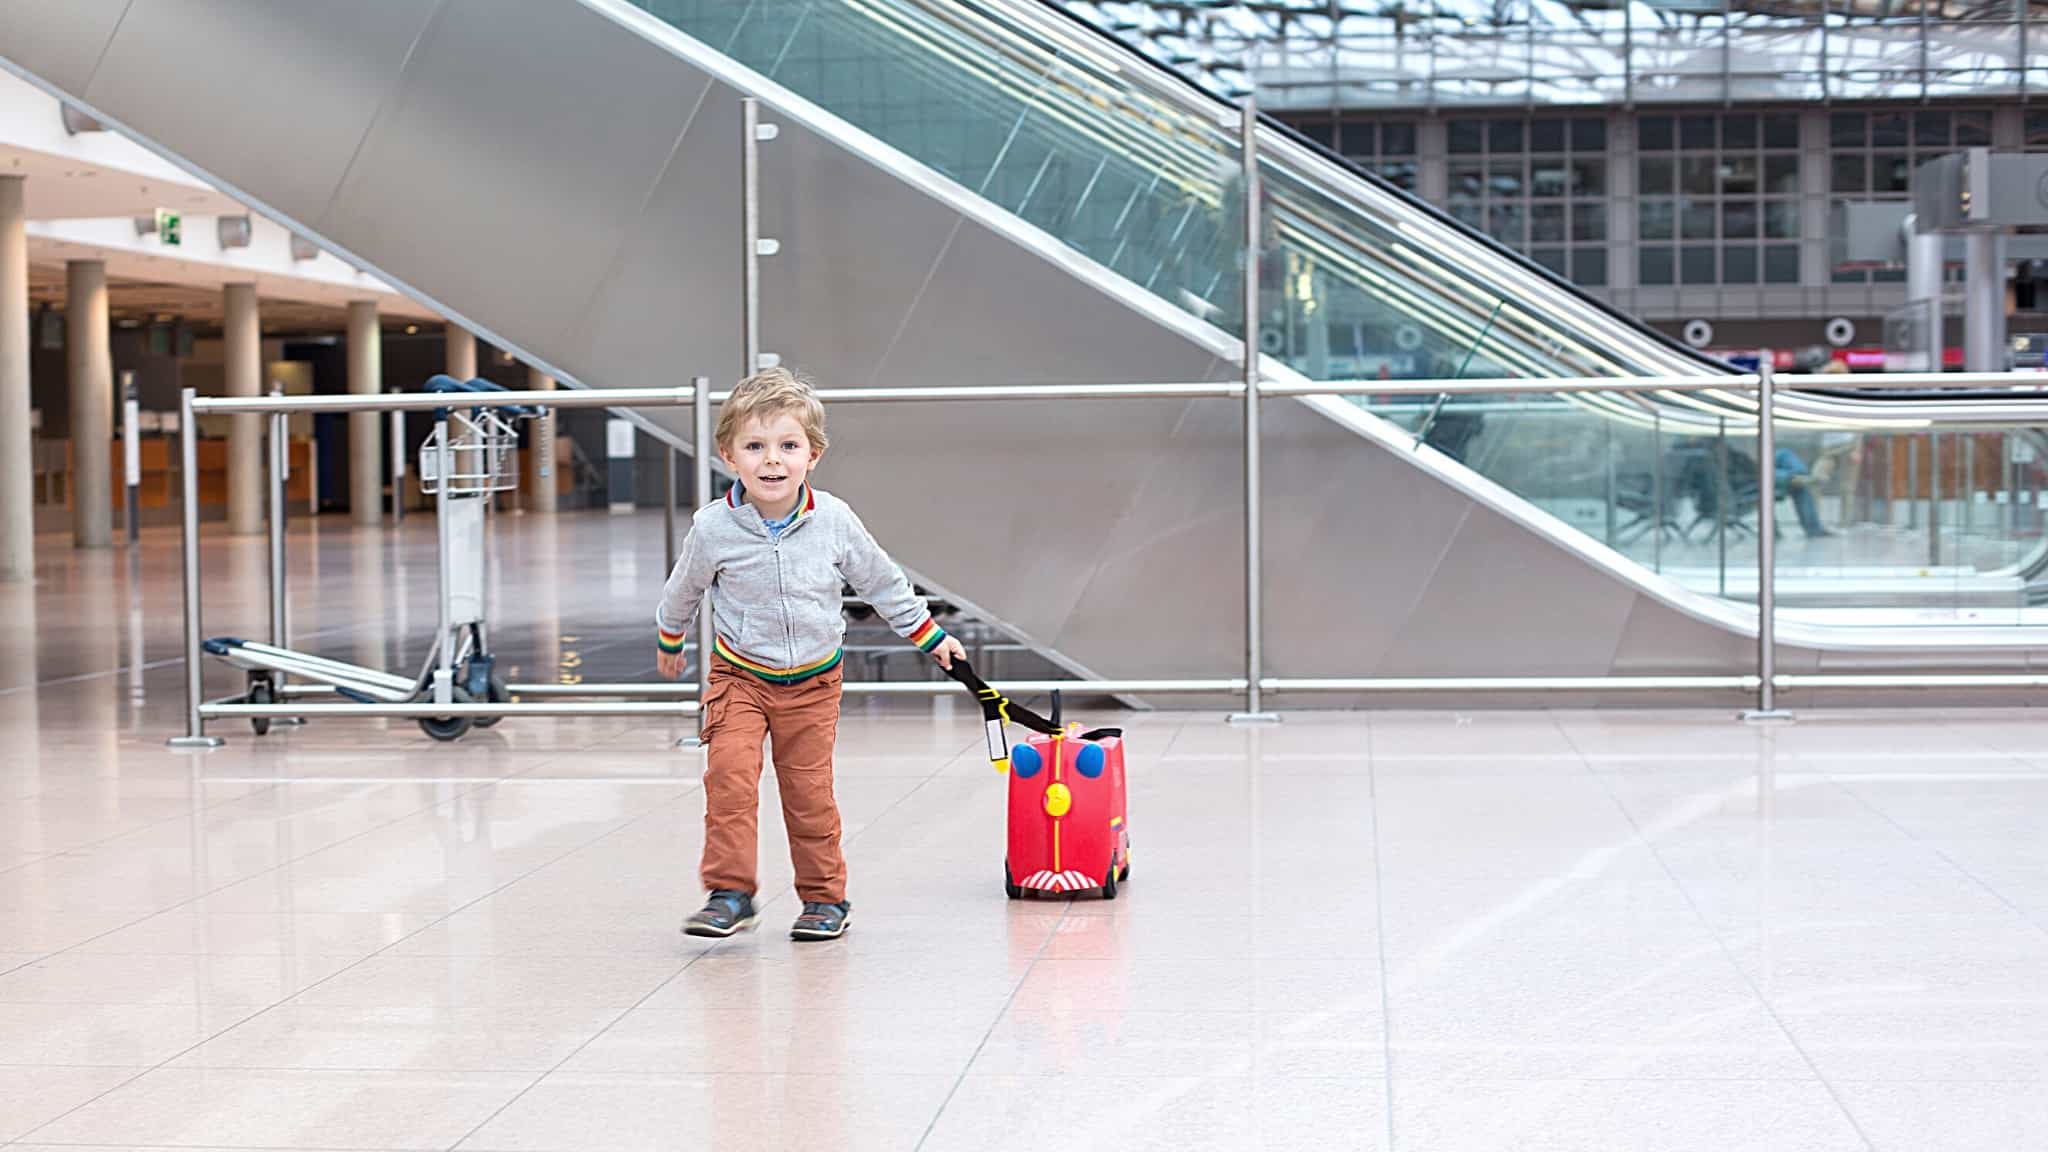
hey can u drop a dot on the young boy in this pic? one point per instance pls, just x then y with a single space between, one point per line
773 555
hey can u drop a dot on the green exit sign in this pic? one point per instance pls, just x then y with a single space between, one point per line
169 228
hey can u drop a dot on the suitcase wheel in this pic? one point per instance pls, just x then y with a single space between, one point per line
1010 887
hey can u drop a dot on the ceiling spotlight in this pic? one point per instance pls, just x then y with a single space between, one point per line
412 329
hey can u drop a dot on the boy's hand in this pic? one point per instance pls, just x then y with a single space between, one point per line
948 651
671 665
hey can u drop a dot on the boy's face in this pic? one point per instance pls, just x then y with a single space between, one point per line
773 457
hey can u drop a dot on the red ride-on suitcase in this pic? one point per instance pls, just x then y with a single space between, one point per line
1068 824
1067 814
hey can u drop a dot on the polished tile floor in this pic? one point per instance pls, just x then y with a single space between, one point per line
1568 930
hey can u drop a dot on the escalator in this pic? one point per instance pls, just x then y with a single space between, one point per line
962 193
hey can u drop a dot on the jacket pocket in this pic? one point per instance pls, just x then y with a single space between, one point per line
759 638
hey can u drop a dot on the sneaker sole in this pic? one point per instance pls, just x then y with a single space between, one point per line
707 932
819 934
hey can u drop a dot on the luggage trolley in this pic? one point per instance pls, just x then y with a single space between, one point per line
469 455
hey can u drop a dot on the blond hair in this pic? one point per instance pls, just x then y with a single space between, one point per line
772 392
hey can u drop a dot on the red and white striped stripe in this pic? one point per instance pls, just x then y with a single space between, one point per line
1068 881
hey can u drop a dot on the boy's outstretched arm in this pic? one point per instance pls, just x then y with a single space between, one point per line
676 614
877 580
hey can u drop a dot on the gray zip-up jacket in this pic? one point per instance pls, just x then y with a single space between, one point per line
775 603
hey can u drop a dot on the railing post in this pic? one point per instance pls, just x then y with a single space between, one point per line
1254 592
1766 546
280 462
750 236
188 507
700 495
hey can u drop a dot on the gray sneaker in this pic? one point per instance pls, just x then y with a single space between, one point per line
822 921
725 913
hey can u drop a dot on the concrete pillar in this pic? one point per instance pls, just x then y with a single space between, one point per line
17 470
541 480
365 429
91 360
461 344
1984 302
243 339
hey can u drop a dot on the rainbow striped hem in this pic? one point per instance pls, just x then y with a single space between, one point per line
778 675
669 641
928 635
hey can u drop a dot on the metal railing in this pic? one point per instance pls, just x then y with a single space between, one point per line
1252 389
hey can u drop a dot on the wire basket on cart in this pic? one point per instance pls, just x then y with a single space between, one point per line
483 455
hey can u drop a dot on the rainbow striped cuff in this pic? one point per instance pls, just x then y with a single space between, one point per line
928 635
669 641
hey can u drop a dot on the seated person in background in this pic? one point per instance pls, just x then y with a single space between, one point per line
1793 478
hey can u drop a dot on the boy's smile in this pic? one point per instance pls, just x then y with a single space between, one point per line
773 458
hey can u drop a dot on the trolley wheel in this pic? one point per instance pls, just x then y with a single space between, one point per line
261 692
1010 887
1109 879
446 728
498 694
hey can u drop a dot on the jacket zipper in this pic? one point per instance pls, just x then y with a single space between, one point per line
782 600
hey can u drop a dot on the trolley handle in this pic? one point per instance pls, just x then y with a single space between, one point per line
442 382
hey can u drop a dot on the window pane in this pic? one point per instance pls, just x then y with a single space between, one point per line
1781 131
1589 136
1546 136
1361 138
1696 265
1888 276
1889 172
1738 132
1589 222
2037 132
1781 175
1738 264
1504 223
1551 258
1321 131
1848 130
1654 219
1973 129
1738 175
1546 176
1468 182
1589 178
1849 276
1848 173
1653 134
1654 175
1504 136
1589 266
1504 178
1781 264
1397 139
1696 175
1888 129
1696 132
1738 219
1781 219
1546 224
1932 129
1465 136
1696 220
1400 173
1653 265
1469 214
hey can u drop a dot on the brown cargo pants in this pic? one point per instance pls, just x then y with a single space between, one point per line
802 720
